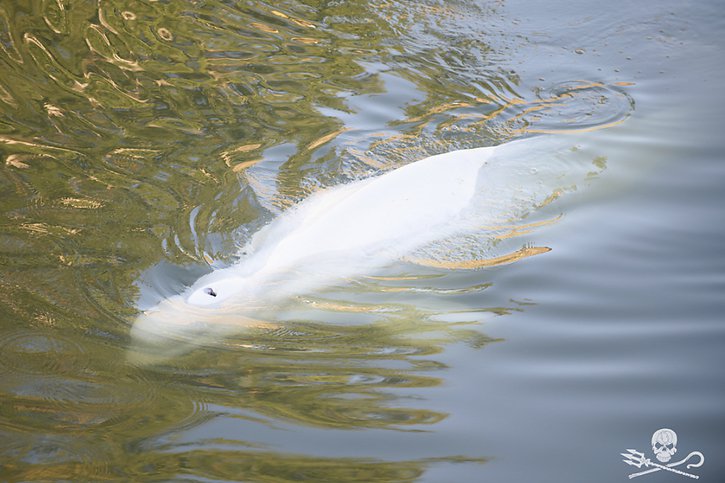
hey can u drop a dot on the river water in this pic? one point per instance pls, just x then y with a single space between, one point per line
144 143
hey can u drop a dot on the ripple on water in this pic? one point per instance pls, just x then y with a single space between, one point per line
576 106
76 404
52 457
50 383
34 352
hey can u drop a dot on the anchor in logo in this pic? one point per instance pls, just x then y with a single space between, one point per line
664 446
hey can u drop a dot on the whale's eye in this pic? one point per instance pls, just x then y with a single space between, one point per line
210 291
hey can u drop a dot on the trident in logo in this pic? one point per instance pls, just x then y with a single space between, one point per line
664 446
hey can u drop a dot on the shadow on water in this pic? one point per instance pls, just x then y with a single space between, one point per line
137 132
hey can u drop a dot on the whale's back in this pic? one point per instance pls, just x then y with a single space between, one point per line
395 212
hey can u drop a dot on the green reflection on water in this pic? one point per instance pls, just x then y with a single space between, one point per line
134 133
238 466
125 130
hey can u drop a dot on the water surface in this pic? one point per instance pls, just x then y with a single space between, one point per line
142 145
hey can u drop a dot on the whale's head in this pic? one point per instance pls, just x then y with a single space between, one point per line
207 312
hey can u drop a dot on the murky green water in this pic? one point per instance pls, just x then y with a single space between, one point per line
143 143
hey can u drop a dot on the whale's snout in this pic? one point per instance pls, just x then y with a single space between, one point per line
176 326
171 320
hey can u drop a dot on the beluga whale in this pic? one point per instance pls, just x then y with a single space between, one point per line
357 228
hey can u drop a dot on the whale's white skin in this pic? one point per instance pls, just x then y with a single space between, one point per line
356 228
359 225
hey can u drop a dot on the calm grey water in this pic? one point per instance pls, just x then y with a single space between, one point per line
143 143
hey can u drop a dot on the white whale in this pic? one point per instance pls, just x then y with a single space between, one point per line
357 228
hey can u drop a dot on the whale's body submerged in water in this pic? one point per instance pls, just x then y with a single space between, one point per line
357 228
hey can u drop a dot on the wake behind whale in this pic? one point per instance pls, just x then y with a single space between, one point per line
358 228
